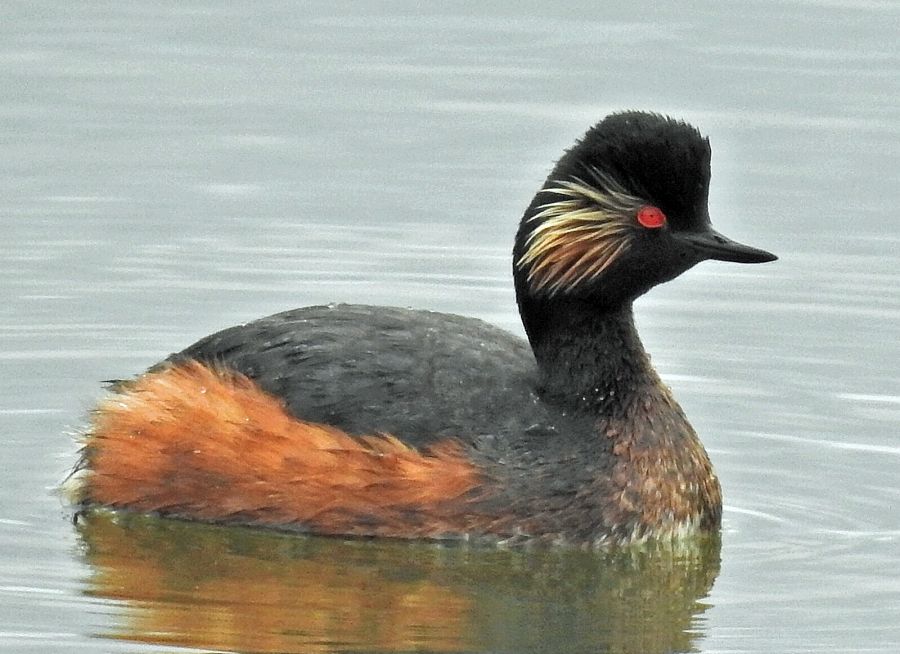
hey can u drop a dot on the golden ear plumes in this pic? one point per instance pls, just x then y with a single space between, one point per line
580 235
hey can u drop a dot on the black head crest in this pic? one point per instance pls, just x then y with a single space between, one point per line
623 210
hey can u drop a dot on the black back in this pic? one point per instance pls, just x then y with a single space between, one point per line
421 376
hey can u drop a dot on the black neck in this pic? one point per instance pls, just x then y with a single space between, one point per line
587 356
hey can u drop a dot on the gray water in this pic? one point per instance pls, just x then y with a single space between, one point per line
167 171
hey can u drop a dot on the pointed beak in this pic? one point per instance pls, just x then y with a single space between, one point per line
710 244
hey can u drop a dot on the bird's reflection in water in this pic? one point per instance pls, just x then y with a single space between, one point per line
239 590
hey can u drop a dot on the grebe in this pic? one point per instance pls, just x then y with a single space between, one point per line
377 421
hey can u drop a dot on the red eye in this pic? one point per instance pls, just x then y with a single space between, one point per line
651 217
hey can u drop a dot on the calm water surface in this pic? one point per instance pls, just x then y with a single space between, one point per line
169 172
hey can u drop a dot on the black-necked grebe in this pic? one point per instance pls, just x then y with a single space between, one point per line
379 421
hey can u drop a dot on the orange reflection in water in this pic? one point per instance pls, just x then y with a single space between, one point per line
241 590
